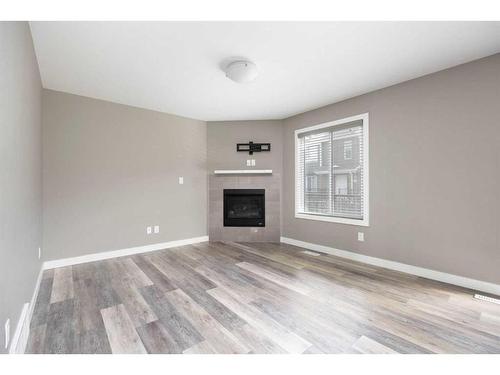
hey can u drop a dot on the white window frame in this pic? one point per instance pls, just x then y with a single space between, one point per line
366 173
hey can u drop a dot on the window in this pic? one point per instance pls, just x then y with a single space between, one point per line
348 150
311 183
331 170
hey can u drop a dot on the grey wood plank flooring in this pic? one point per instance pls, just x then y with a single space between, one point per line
123 338
219 297
62 286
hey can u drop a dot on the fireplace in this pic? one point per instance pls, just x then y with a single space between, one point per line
244 208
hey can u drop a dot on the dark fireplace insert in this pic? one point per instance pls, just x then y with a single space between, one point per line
244 208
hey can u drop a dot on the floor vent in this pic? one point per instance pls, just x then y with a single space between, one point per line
489 299
310 253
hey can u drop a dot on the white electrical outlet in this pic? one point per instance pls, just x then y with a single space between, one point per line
157 229
149 230
7 333
253 162
249 163
39 253
181 180
361 236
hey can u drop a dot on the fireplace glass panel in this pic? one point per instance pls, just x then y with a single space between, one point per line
244 207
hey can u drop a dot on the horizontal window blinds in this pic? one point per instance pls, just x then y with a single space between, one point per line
330 178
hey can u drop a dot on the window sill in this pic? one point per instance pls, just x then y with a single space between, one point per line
331 219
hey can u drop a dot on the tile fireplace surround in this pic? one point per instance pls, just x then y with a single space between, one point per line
216 230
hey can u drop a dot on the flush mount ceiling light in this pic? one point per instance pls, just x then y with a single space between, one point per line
241 71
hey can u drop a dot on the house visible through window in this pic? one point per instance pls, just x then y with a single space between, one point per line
332 171
311 183
348 150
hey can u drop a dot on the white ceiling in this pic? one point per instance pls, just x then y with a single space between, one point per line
175 67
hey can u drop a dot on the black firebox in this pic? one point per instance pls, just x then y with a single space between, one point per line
244 208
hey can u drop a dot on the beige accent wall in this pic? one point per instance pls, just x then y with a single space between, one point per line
434 173
20 171
111 170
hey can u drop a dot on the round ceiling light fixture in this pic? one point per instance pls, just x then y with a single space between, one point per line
241 71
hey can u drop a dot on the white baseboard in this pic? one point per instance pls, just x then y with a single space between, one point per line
120 253
401 267
20 338
21 335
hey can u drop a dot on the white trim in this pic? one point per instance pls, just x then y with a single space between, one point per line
332 219
448 278
120 253
365 222
20 338
35 292
341 121
243 171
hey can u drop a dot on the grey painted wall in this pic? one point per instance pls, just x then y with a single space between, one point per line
20 166
111 170
434 173
223 136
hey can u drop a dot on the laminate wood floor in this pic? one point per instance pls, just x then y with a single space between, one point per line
254 298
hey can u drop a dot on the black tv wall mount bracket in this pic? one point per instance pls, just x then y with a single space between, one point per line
251 147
